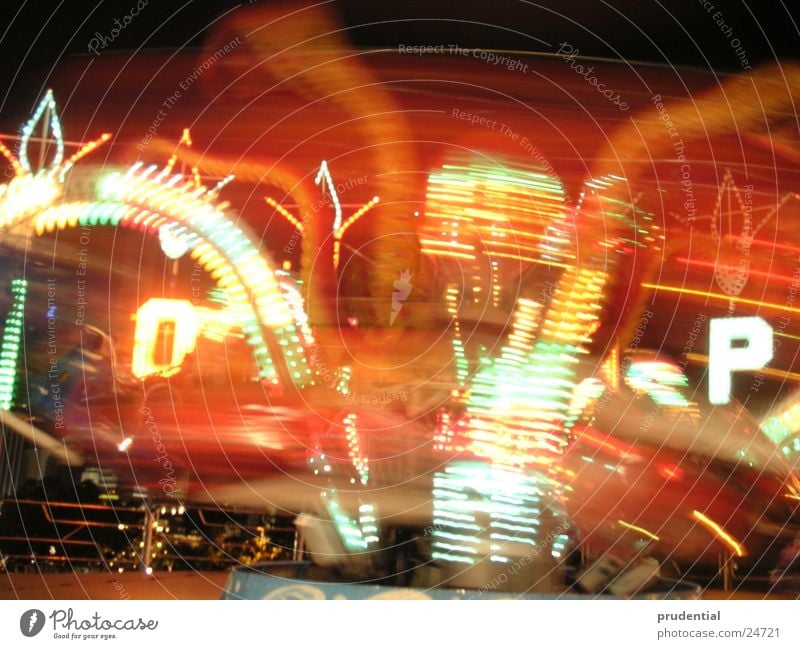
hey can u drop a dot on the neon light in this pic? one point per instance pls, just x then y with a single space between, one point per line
767 371
513 403
233 260
359 533
150 319
185 140
47 103
521 405
174 241
586 393
726 538
326 182
357 456
610 369
449 433
482 510
344 375
85 150
25 196
12 341
147 199
339 228
724 359
659 380
284 213
462 364
216 189
476 208
338 233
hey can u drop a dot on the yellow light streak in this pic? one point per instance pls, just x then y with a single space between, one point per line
284 213
641 530
726 538
719 296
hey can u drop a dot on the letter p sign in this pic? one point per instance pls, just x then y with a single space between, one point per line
724 358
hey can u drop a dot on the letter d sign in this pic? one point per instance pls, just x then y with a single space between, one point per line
723 358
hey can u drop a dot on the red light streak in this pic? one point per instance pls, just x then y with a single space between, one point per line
749 271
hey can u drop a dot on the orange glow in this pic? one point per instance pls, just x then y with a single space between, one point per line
499 210
610 368
185 140
670 472
339 229
339 233
619 449
726 538
357 456
150 319
6 152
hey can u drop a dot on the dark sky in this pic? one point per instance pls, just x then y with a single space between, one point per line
37 34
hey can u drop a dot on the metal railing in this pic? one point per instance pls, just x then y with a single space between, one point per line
67 519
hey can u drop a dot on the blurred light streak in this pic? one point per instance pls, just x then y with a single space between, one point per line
641 530
85 150
145 198
483 510
659 380
12 159
357 456
726 538
773 245
750 271
324 180
785 335
284 213
610 369
670 472
719 296
621 450
12 340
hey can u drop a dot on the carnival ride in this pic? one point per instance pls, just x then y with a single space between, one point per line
491 405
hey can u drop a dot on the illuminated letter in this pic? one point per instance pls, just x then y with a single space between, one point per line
150 318
723 358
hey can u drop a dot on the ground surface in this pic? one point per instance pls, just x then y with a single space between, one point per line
172 585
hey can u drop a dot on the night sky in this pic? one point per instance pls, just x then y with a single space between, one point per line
36 36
